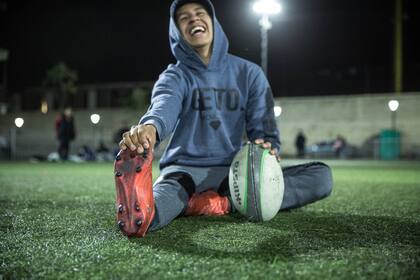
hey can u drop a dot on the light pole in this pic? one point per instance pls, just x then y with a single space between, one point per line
265 8
18 124
4 55
393 107
398 47
95 118
390 138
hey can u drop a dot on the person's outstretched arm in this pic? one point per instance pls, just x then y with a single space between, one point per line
162 115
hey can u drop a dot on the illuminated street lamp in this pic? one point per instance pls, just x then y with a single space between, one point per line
277 111
393 107
18 124
265 8
95 118
44 107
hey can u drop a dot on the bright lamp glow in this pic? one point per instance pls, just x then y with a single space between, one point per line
265 23
267 7
95 118
393 105
19 122
277 111
44 107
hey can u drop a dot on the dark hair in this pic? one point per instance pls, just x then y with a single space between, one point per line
204 3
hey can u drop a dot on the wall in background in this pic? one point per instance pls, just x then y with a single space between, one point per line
357 117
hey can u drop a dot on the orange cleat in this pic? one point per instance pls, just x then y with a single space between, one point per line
133 182
208 203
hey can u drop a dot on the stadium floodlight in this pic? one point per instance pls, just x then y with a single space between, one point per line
393 107
265 8
95 118
277 111
19 122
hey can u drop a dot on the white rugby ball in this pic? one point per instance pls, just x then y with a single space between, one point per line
256 183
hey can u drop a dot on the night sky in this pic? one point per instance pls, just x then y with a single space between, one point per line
316 47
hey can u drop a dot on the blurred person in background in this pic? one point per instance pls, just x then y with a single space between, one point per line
65 130
339 146
300 143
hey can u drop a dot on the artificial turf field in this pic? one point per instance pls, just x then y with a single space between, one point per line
58 221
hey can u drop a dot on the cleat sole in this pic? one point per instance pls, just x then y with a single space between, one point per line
133 182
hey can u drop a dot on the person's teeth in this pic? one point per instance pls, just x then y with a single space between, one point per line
196 28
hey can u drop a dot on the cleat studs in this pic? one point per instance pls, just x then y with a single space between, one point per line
139 222
118 174
138 169
121 224
118 158
120 208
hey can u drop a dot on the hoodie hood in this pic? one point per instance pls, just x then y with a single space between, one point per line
187 55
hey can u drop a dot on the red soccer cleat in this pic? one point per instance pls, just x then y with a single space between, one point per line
133 181
208 203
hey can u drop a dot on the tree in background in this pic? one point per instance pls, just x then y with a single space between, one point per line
139 98
63 81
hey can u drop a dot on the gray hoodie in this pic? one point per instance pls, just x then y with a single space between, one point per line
209 108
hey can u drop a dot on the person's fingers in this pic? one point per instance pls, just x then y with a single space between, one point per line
266 145
140 139
141 135
152 141
151 138
259 141
144 144
134 137
128 142
151 135
273 151
122 145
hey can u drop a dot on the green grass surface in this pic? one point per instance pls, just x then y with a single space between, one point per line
58 221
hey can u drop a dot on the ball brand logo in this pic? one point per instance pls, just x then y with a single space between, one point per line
235 183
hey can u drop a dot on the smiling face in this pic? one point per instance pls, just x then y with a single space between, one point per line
196 26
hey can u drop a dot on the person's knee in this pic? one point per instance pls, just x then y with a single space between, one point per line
325 180
184 179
